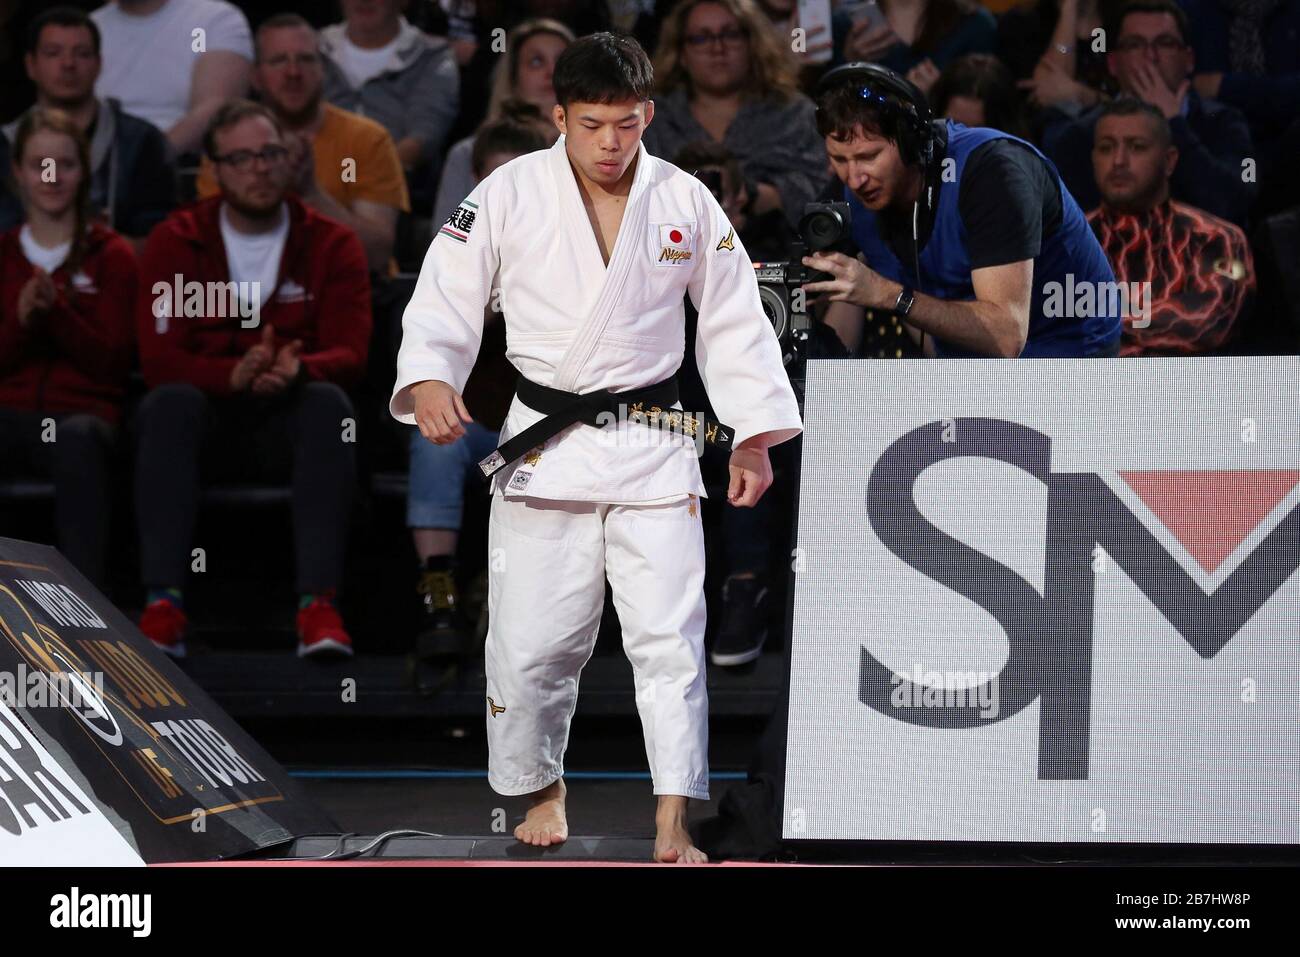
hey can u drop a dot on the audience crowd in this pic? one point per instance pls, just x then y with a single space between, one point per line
208 210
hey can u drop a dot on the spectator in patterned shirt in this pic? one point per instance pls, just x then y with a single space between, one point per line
1199 267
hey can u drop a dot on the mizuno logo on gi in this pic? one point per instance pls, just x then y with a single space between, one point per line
495 708
727 242
460 222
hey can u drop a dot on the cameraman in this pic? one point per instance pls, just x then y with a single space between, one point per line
966 233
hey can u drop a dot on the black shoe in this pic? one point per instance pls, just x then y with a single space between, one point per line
442 631
743 630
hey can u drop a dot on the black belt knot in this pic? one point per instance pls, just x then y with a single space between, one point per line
563 409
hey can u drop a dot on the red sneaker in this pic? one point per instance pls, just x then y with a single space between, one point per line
165 624
320 631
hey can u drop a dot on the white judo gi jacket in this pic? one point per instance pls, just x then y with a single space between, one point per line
522 240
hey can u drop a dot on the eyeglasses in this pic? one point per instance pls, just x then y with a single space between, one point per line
243 159
1165 43
728 37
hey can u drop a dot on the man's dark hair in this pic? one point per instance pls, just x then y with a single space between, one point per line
232 112
1132 106
1149 6
842 107
61 17
602 68
278 21
506 135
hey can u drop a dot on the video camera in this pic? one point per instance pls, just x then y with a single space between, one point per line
824 227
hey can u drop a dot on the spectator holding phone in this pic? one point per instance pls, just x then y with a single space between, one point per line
916 38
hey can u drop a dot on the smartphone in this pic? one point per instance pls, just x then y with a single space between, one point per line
864 10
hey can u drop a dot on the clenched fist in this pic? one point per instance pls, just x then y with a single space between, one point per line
439 411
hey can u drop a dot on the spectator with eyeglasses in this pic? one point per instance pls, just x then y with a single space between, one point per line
345 166
722 77
247 363
1152 62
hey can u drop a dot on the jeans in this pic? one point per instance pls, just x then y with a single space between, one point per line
437 476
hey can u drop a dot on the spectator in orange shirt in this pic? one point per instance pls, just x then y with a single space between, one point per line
344 165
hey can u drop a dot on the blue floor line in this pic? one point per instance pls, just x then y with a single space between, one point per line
399 773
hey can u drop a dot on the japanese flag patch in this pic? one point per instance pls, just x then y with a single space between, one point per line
675 245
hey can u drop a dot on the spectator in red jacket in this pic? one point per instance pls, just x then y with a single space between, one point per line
67 287
253 318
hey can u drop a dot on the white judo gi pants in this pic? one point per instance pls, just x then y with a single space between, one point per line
547 565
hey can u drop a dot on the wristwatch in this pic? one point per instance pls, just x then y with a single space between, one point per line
903 305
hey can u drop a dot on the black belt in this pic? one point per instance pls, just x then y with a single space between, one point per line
650 404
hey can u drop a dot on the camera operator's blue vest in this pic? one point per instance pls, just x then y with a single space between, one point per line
1072 251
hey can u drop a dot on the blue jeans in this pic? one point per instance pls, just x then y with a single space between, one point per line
436 498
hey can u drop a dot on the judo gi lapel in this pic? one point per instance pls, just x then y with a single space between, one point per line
621 258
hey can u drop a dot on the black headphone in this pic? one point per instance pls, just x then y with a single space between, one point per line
893 95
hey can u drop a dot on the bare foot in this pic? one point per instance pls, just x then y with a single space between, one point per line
545 823
672 840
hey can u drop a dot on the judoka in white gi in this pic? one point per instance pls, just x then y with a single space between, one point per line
588 248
